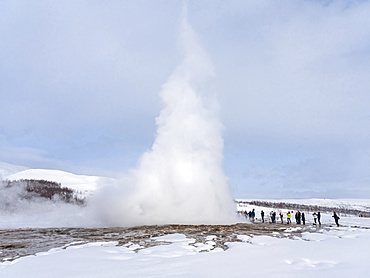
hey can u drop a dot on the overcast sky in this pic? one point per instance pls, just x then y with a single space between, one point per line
79 84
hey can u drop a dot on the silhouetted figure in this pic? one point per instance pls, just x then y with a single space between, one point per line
298 217
273 216
263 216
303 219
336 218
281 217
319 218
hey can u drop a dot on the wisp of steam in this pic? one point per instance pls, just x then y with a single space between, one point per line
181 179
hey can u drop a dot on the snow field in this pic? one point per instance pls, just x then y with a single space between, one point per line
328 252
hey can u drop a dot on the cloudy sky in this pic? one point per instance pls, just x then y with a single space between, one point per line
79 84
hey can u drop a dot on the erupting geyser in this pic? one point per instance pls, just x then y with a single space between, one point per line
181 179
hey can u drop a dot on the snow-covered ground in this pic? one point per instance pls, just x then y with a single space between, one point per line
326 251
329 252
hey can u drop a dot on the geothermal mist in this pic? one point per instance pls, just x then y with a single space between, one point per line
180 180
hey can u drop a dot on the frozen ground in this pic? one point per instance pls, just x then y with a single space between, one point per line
243 250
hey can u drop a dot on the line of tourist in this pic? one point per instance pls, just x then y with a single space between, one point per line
250 215
300 217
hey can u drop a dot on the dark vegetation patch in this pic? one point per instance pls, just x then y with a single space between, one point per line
42 189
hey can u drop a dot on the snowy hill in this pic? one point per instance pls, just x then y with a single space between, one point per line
17 209
87 184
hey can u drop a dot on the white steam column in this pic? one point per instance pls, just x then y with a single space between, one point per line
181 179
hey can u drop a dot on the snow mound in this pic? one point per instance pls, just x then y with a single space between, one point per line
77 182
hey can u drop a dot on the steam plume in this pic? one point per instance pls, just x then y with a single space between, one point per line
180 180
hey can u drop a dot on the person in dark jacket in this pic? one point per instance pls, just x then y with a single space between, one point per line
298 217
273 217
319 218
303 219
263 216
336 218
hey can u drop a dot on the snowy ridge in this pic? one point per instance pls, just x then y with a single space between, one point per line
82 183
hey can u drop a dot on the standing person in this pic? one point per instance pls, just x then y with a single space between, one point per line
314 218
271 216
253 215
318 218
288 217
281 218
303 218
262 216
336 218
295 216
298 217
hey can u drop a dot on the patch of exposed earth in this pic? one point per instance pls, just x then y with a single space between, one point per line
22 242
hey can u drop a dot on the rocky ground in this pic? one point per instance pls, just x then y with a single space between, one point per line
22 242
